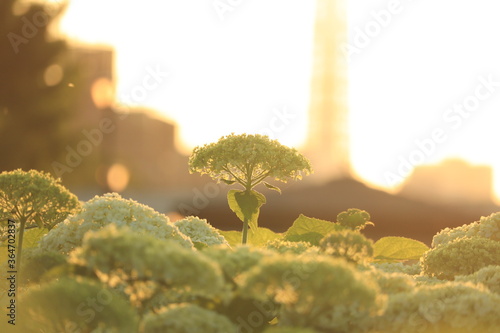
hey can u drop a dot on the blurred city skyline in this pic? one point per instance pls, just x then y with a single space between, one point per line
236 68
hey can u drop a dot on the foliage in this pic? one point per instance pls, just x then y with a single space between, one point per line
347 244
186 318
354 219
36 118
398 249
247 160
460 257
311 230
200 231
259 236
277 283
68 305
40 264
111 208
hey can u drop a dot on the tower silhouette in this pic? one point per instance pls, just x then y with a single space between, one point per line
327 145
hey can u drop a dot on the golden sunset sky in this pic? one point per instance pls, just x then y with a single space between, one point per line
424 76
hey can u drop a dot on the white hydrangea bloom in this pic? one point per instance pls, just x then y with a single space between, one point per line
449 234
447 307
489 276
200 231
398 267
111 208
487 227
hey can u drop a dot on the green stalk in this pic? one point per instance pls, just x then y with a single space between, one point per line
244 235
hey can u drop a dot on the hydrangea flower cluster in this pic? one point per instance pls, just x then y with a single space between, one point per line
237 260
200 231
446 307
347 244
487 227
186 318
461 256
398 267
248 159
391 283
488 276
144 263
298 284
282 246
108 209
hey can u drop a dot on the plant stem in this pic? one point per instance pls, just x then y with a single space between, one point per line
244 233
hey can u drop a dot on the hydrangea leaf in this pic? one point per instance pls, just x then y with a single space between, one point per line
32 236
309 229
272 187
246 205
398 249
260 237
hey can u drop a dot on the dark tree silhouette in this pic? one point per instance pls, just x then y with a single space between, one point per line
37 87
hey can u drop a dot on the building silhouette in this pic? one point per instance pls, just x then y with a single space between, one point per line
328 142
452 182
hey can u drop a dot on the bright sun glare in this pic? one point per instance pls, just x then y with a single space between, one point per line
423 75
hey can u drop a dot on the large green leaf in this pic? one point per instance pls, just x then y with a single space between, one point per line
398 249
32 236
310 229
246 205
259 237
